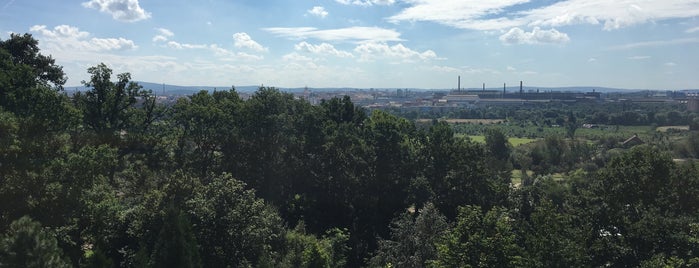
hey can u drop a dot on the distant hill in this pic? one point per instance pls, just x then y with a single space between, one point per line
185 90
175 89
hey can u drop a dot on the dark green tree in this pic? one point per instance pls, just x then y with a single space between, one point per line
305 250
499 150
634 210
107 106
26 244
233 227
210 134
176 245
480 240
413 239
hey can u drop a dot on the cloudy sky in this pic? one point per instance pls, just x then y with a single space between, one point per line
652 44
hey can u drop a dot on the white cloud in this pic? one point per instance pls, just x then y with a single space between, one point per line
370 51
445 69
159 38
511 69
243 40
536 36
318 11
498 15
122 10
103 44
591 60
612 14
639 57
658 43
367 2
356 34
176 45
163 35
462 70
232 55
322 49
692 30
65 37
295 56
670 64
478 15
225 54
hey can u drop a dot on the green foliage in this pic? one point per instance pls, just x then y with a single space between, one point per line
26 244
639 207
209 134
496 144
480 240
24 49
304 250
107 106
412 242
233 226
175 245
552 239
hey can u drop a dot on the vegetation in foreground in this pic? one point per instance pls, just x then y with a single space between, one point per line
110 178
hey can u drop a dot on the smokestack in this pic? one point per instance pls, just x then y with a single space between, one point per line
521 90
483 86
459 84
504 88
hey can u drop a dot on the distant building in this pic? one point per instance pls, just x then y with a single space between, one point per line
693 105
631 142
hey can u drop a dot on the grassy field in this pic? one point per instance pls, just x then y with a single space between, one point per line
465 121
666 128
617 131
513 140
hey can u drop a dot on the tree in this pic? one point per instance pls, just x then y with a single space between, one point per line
106 106
176 245
638 207
497 144
384 193
26 80
480 240
210 134
571 125
305 250
24 50
499 149
412 242
551 239
26 244
233 226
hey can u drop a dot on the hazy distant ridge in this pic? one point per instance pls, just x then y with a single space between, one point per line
176 89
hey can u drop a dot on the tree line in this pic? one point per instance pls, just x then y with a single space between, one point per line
111 178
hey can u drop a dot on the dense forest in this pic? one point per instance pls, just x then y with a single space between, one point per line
108 177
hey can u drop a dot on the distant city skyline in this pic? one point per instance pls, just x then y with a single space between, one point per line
370 43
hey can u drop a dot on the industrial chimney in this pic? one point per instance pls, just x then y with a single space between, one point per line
459 84
521 90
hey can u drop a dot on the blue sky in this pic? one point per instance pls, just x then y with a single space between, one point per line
651 44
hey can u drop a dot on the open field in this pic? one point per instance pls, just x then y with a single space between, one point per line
465 121
666 128
644 132
512 140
